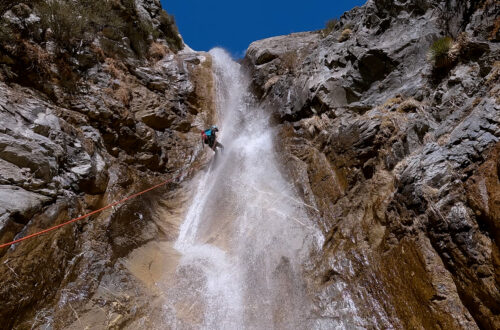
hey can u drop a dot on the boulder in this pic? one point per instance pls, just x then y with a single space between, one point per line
158 119
19 203
25 153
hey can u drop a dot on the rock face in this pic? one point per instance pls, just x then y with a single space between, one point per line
401 161
81 128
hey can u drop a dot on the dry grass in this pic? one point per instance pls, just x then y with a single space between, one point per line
495 29
115 68
493 80
123 94
289 61
315 124
38 56
476 101
157 51
400 104
409 105
121 90
345 35
458 47
492 77
98 52
390 103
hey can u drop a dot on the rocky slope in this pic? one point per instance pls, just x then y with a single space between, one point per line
400 159
97 101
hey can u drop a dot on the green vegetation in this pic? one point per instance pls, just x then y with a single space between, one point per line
73 24
329 27
72 27
63 20
439 52
169 28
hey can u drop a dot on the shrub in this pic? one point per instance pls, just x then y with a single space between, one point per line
345 35
21 10
76 23
64 21
140 35
38 56
439 52
67 78
169 28
72 24
329 27
129 5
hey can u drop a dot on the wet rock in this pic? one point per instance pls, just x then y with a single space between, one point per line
96 179
64 153
11 173
45 123
28 154
400 143
19 203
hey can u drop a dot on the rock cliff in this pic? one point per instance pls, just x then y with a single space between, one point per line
396 155
400 158
97 100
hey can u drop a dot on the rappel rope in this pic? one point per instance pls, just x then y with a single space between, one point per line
95 211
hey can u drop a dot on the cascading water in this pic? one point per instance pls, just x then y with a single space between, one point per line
246 236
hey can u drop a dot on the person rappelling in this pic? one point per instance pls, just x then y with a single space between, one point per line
209 137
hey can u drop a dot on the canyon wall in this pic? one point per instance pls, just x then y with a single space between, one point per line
397 160
93 108
400 158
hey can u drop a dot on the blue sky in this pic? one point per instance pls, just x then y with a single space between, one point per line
234 24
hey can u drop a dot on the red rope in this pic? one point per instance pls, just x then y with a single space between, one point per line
88 214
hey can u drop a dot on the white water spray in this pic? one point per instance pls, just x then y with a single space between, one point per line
246 235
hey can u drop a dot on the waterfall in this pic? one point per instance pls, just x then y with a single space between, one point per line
246 236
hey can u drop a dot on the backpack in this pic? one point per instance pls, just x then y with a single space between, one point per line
206 136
